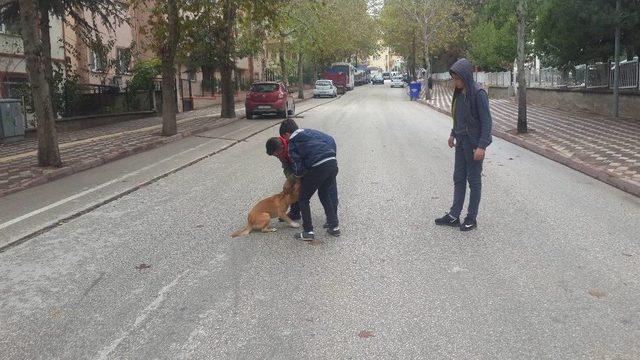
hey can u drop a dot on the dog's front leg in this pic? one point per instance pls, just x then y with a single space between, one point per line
283 215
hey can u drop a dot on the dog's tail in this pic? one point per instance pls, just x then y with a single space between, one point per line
242 232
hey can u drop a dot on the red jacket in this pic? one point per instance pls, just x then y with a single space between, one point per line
284 157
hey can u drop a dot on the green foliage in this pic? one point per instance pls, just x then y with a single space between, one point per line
492 48
144 73
66 90
570 32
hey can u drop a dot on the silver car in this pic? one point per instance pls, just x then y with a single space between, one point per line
397 82
325 88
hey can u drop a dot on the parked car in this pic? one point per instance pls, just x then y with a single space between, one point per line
386 75
377 79
325 88
269 98
397 82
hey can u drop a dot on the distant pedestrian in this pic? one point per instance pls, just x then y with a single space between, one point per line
470 135
429 87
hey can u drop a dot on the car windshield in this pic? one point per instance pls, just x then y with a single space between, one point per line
264 88
323 83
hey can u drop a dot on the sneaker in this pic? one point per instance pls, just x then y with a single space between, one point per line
468 224
304 236
334 231
448 220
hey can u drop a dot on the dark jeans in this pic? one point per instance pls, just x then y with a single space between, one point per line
323 179
294 211
466 170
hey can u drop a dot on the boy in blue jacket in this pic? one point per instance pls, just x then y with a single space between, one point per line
313 154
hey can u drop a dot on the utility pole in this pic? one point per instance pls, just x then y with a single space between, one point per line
616 70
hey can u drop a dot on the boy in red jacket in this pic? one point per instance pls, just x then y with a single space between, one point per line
279 147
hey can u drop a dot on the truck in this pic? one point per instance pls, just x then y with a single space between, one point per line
342 75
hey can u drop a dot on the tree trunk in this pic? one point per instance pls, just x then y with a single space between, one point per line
315 72
169 106
412 63
48 151
45 32
283 64
522 85
228 64
251 70
300 77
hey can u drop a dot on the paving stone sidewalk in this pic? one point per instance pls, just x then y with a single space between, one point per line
84 149
600 146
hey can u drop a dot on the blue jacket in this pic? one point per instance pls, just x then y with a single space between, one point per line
307 147
477 114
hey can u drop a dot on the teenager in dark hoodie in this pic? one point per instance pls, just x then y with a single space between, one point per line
314 161
471 134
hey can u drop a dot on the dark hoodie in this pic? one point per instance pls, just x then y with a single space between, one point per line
477 116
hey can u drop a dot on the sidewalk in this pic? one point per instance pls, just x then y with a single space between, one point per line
84 149
603 147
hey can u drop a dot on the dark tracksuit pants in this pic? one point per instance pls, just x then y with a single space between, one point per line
466 170
321 178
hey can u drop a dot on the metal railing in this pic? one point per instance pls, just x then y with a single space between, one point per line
629 74
589 76
501 79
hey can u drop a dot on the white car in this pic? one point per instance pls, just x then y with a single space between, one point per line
325 88
397 82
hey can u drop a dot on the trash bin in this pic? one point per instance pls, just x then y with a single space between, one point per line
414 90
11 119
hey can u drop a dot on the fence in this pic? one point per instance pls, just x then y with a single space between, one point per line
592 76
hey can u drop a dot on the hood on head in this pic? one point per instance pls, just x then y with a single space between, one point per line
464 69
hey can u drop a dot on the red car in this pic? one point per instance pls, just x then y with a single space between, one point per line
269 97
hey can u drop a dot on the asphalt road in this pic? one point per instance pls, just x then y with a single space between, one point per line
553 271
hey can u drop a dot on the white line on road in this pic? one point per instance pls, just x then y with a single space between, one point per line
95 188
106 351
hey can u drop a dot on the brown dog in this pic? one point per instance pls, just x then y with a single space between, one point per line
272 207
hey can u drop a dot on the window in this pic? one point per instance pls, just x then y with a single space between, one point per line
123 56
264 88
97 62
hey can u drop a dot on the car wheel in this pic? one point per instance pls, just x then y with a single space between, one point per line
249 114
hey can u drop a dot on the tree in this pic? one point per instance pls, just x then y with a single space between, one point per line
48 151
37 45
435 25
492 40
572 32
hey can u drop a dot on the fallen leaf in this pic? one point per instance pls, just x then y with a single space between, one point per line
142 266
315 242
627 254
365 334
596 293
199 226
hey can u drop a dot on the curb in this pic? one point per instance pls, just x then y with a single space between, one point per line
595 172
58 173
